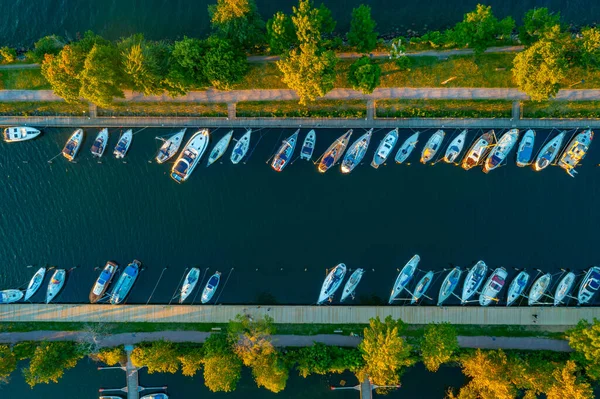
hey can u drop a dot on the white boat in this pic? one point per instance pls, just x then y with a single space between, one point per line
220 148
407 148
170 147
73 144
123 144
241 147
549 152
473 281
156 396
589 286
517 287
539 288
525 150
110 397
285 152
455 148
385 148
191 279
211 287
19 133
190 156
335 151
103 281
478 150
308 146
432 146
449 285
100 143
564 287
493 286
332 282
501 150
422 287
356 152
55 285
575 151
10 296
404 277
351 284
35 283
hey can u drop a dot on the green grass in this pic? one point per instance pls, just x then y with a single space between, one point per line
443 109
319 109
23 79
164 109
561 109
42 108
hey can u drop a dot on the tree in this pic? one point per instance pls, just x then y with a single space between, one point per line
222 368
144 64
362 33
568 385
488 373
480 28
186 68
62 71
280 33
324 359
590 46
157 356
311 23
111 356
8 362
237 21
438 345
8 55
537 22
50 360
102 77
191 357
223 65
364 75
585 341
46 45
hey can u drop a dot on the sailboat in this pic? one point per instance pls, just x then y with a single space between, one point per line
432 146
404 277
517 287
385 148
285 152
241 147
191 279
549 152
170 147
564 287
501 150
211 287
308 146
575 151
455 147
473 281
525 150
407 148
351 284
449 285
219 148
478 150
493 286
589 286
123 144
190 156
356 152
100 143
57 281
73 144
422 287
334 152
332 282
539 288
35 283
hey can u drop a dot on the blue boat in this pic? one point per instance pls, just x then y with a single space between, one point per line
285 152
525 150
125 282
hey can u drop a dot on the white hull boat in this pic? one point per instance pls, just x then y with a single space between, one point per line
99 145
73 144
501 150
35 283
123 144
190 156
220 148
539 288
517 287
564 288
404 277
356 152
285 152
189 283
103 282
385 148
211 287
10 296
422 287
525 150
351 284
455 148
156 396
308 146
548 153
335 151
473 281
478 150
432 146
57 281
19 133
589 286
170 147
241 147
407 148
125 283
449 285
493 286
332 282
575 152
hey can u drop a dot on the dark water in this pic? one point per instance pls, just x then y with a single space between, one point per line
22 22
280 231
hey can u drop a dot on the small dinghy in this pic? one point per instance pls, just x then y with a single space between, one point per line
589 286
478 150
190 156
548 153
407 148
156 396
189 283
449 285
170 147
10 296
219 148
335 151
422 287
73 144
332 283
525 150
55 285
539 288
432 146
356 152
35 283
103 281
351 284
211 287
575 152
493 286
100 143
308 146
385 148
473 281
517 287
125 282
455 148
501 150
241 147
19 133
285 152
564 287
404 277
123 144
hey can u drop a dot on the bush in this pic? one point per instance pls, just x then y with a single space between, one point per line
8 55
364 75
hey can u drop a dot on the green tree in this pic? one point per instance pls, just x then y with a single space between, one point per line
311 23
280 33
191 357
111 356
8 362
324 359
186 69
8 54
50 360
480 29
157 356
364 75
46 45
222 368
102 76
223 65
568 385
144 64
62 72
585 341
237 21
537 22
590 46
362 33
438 345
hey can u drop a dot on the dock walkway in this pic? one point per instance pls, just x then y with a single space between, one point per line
133 391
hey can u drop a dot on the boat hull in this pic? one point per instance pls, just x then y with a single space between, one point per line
548 153
308 146
493 286
125 283
73 145
478 150
35 283
539 288
10 296
422 287
16 134
57 281
189 283
285 153
332 283
525 149
211 287
170 147
123 145
449 285
564 288
356 153
432 146
404 277
501 150
455 148
517 287
589 286
100 143
220 148
351 284
385 148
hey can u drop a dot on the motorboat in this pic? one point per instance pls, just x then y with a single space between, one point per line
493 286
517 287
422 287
241 147
170 147
334 152
455 148
156 396
351 284
110 397
123 144
525 149
473 281
211 287
549 152
103 281
589 286
125 282
575 151
35 283
190 156
220 148
449 285
385 148
478 150
432 146
407 148
57 281
332 283
501 150
404 277
539 288
19 133
356 152
191 279
308 146
284 153
10 296
564 287
73 144
100 143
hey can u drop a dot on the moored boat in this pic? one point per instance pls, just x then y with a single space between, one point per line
211 287
575 151
103 281
156 396
100 142
19 133
57 281
170 147
549 152
564 287
422 287
308 146
35 283
219 148
110 397
335 151
501 150
10 296
432 146
478 150
385 148
284 153
190 156
525 149
332 283
125 282
517 287
473 281
455 148
123 144
351 284
191 279
73 144
493 286
539 288
356 152
407 148
404 277
241 147
449 285
589 286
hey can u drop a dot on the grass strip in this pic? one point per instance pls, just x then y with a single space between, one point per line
561 109
443 108
290 109
23 79
164 109
43 108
